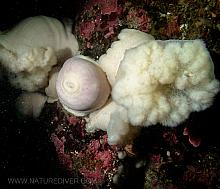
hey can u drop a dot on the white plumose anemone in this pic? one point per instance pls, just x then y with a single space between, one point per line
30 49
153 82
164 81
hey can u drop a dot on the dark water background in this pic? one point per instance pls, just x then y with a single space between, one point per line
12 11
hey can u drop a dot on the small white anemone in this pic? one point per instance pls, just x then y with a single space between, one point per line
30 104
82 86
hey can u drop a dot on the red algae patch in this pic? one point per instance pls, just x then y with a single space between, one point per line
100 22
64 158
98 161
86 154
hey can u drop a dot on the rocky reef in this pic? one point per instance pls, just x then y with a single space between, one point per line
57 143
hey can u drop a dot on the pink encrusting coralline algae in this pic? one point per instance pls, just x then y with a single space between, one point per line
195 141
86 29
87 154
64 159
106 7
101 21
139 19
100 160
109 6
